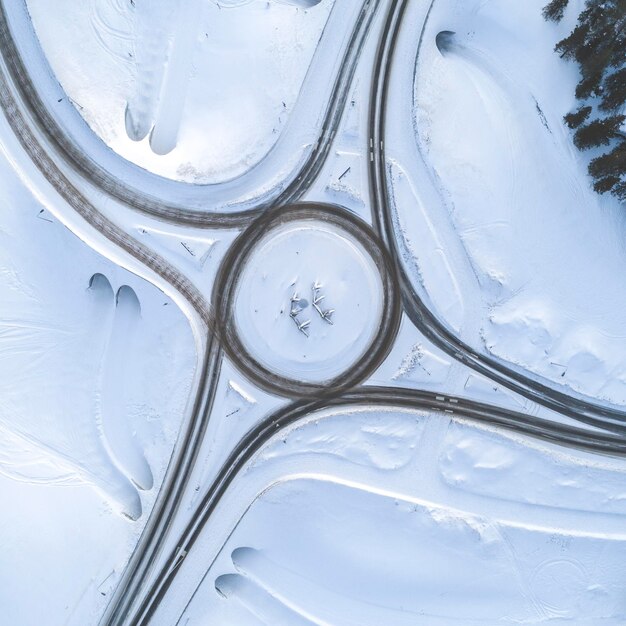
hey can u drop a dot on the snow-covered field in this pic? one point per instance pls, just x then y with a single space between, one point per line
95 371
156 373
194 91
513 248
373 521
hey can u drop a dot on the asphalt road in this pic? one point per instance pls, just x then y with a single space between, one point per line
230 272
192 432
426 322
607 443
142 587
287 192
30 120
449 406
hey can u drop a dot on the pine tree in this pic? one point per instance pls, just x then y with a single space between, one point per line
554 11
598 45
599 132
602 185
612 163
588 86
614 91
567 47
619 41
576 118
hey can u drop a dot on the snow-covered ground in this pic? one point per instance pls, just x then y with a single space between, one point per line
369 517
87 421
355 516
242 141
309 301
512 247
196 91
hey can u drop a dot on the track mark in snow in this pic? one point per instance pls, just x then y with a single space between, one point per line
28 460
153 33
258 570
120 360
558 586
504 467
382 558
43 445
385 440
112 28
268 608
98 330
422 248
164 135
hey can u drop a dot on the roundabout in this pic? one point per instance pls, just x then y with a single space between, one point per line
306 301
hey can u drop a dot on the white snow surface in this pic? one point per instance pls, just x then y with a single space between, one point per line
195 90
495 213
354 526
355 516
309 301
96 368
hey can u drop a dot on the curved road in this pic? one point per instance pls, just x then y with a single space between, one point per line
174 212
188 442
606 443
253 442
15 99
426 322
229 274
131 603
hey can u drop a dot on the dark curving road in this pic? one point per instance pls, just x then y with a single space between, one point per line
426 321
450 406
188 442
122 608
135 603
228 277
286 192
18 100
600 442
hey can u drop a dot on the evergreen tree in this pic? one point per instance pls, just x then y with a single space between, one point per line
602 185
567 47
614 91
576 118
598 45
598 132
612 163
554 11
588 86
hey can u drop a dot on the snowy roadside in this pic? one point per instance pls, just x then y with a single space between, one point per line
517 253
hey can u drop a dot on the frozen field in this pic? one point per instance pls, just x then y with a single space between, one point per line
516 252
414 524
195 91
308 315
95 370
